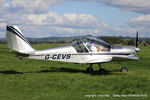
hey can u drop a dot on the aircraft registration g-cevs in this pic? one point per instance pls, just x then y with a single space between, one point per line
86 50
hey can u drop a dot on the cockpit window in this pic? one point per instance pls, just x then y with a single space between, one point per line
96 45
79 46
90 44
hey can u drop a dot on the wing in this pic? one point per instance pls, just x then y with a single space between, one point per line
98 59
119 58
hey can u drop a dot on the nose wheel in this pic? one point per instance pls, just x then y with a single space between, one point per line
123 69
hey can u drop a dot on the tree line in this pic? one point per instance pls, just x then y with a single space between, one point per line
128 41
109 39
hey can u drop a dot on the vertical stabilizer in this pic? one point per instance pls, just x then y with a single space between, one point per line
17 41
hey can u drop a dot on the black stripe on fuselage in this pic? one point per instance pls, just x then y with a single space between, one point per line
126 54
16 32
104 54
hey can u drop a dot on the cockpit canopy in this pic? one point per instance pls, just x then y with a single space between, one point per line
90 44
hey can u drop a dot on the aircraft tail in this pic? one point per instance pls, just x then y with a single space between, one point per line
17 41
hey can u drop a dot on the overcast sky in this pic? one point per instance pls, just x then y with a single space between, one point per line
45 18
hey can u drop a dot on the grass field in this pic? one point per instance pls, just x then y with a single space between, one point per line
27 79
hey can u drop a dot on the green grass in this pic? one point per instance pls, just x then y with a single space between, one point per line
29 79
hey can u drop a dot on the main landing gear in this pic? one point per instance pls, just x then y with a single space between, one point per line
101 70
89 69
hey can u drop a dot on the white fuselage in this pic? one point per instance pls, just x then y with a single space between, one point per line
69 54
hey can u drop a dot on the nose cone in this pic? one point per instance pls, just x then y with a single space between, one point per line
137 49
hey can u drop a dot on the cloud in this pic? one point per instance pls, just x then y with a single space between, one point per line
36 20
17 11
141 21
47 31
2 29
142 24
140 6
32 6
71 20
42 23
65 25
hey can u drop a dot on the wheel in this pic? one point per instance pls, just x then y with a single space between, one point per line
20 57
89 69
123 69
102 71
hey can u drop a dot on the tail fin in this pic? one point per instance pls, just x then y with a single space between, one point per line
17 41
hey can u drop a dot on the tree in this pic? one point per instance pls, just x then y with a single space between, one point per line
130 42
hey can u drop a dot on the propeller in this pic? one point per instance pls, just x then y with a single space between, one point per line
136 39
136 42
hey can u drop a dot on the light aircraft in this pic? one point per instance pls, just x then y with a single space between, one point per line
86 50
